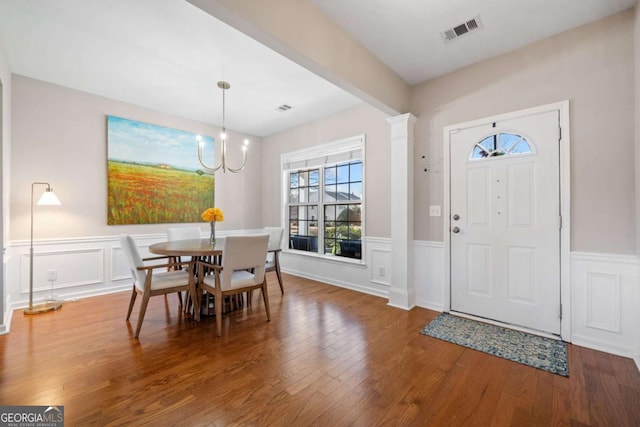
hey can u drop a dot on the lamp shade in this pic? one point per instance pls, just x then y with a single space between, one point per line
48 198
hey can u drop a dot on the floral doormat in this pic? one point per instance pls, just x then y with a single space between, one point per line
539 352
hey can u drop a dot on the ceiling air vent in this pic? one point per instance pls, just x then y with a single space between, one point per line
462 29
283 108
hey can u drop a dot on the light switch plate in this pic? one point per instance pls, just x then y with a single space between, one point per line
434 210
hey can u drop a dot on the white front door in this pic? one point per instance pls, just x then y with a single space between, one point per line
505 221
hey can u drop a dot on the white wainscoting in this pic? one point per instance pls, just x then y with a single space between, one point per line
605 288
84 267
371 277
429 274
95 266
605 296
605 301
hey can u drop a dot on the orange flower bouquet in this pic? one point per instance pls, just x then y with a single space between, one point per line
213 215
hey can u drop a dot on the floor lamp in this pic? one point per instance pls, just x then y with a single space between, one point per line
47 198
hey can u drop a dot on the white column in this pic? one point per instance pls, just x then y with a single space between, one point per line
402 292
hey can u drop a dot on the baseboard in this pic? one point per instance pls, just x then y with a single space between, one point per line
339 283
607 347
430 305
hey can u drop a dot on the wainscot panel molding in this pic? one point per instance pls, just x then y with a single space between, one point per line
605 288
85 267
371 277
605 296
429 274
605 292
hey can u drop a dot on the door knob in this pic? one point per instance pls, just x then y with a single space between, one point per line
455 229
456 217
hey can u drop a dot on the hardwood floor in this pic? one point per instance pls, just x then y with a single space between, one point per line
329 357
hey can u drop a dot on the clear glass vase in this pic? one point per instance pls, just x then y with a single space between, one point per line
212 236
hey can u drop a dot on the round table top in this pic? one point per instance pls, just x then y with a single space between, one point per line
191 247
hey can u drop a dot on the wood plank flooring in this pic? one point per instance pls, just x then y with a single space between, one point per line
329 357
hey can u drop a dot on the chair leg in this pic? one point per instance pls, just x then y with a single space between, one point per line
279 277
218 305
143 309
180 298
249 297
188 303
265 298
133 299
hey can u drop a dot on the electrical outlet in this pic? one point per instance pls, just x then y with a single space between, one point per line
52 275
434 210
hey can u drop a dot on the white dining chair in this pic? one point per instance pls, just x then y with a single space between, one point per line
181 233
242 270
275 247
148 283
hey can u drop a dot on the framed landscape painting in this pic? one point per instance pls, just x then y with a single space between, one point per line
154 176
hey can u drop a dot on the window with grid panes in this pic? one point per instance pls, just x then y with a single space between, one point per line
343 210
325 203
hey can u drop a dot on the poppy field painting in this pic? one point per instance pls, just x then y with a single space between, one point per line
153 174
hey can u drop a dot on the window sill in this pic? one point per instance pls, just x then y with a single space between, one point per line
330 258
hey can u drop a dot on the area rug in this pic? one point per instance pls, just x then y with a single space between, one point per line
532 350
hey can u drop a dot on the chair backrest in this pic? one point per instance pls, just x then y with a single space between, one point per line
183 233
133 260
242 253
275 237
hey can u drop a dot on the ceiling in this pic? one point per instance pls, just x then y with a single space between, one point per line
405 34
168 55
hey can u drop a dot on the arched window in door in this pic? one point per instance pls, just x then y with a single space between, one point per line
501 144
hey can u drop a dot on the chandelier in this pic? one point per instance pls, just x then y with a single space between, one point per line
223 148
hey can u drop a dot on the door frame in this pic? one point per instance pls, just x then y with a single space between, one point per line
565 203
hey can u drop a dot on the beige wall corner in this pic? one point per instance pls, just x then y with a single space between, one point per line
298 30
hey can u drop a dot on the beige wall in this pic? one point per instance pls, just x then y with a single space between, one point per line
354 121
5 140
5 145
591 66
60 136
636 26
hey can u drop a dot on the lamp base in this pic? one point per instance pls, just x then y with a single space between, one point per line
44 307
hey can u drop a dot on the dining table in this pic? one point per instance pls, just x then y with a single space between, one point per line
197 249
191 247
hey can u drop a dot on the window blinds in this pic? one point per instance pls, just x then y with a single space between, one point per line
327 154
